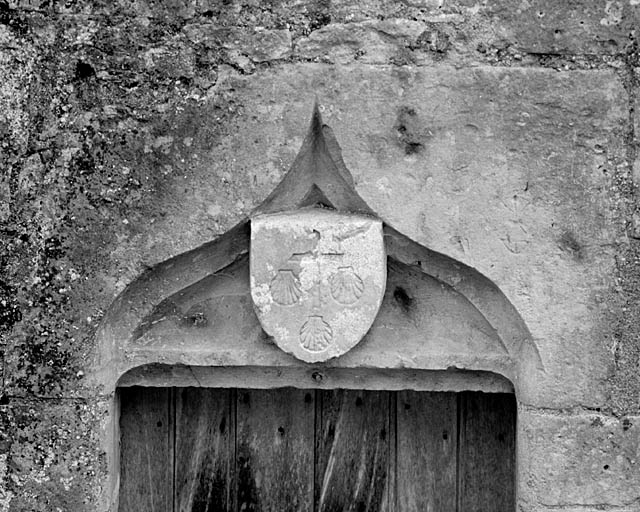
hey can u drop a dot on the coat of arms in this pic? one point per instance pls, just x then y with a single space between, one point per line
317 279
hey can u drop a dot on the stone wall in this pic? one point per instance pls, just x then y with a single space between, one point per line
500 133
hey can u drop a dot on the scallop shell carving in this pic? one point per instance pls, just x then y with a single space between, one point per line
285 288
346 286
316 334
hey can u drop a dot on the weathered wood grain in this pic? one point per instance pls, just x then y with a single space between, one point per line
146 447
390 499
427 425
486 471
286 450
352 455
274 451
204 450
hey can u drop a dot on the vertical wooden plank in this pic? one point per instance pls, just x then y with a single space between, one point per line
352 456
274 450
146 450
204 450
426 452
486 465
392 477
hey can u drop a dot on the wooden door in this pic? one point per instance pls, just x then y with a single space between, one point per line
286 450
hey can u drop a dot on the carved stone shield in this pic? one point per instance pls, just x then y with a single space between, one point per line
317 279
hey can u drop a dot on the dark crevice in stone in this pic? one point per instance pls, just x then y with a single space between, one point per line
410 132
403 299
84 70
569 244
316 198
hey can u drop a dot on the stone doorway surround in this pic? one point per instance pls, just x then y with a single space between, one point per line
190 321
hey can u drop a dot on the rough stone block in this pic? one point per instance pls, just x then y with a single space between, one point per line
50 455
538 26
549 26
27 5
174 61
578 460
348 11
260 45
371 42
587 27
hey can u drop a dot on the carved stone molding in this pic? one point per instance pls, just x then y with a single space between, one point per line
430 312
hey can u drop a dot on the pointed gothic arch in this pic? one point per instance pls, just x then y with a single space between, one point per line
191 318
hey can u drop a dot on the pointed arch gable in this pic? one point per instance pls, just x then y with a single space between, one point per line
190 320
195 309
